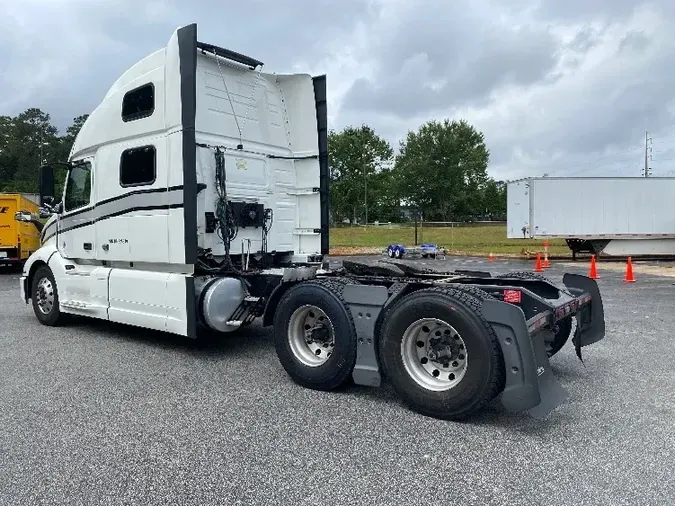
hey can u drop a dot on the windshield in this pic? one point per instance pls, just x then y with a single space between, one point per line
78 187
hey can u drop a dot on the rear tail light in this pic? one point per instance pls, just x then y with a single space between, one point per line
513 296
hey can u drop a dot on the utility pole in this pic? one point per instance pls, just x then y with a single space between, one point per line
648 156
365 186
365 192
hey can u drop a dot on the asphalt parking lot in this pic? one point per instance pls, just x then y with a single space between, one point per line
97 413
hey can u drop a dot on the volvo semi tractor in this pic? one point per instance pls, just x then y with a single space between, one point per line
196 199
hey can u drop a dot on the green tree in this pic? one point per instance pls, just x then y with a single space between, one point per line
32 141
358 159
8 160
62 151
74 129
442 169
494 199
27 141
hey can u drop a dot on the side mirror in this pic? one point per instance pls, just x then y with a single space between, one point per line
46 185
27 217
23 216
47 211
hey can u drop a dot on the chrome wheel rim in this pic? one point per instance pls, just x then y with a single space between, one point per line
45 296
311 335
434 354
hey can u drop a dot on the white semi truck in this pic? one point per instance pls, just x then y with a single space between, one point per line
197 199
613 216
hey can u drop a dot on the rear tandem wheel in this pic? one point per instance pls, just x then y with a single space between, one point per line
314 334
440 354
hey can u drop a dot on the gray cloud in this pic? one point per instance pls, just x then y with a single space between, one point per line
634 41
572 92
558 87
583 10
585 39
63 55
435 58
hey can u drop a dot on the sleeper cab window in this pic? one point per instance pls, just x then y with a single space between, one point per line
138 103
138 166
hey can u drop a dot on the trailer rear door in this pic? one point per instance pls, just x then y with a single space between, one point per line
518 209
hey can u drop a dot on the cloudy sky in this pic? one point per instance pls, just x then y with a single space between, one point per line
564 87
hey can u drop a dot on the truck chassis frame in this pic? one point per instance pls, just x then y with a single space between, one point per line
524 310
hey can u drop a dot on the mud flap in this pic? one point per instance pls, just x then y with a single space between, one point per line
552 393
591 318
530 384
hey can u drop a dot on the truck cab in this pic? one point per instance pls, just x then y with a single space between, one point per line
194 158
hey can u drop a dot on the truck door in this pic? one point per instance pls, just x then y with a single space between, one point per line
76 231
84 288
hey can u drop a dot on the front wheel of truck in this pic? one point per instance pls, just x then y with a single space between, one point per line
45 297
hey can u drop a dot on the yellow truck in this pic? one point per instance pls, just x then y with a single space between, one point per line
17 239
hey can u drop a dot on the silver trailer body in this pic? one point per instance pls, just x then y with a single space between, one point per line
615 216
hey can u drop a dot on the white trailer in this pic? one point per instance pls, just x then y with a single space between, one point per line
196 199
616 216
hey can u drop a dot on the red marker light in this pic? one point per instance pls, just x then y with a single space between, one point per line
512 296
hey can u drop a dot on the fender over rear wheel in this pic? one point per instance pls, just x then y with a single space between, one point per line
440 354
314 335
45 298
564 330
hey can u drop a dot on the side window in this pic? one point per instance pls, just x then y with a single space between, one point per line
138 166
78 187
138 103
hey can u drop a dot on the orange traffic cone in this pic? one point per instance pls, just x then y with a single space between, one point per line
491 257
546 264
629 278
593 274
538 267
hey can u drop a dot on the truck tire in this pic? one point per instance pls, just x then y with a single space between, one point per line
564 330
452 382
314 335
44 296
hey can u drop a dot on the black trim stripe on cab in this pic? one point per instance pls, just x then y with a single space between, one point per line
122 196
44 237
120 213
112 215
228 54
190 309
89 214
321 104
187 52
